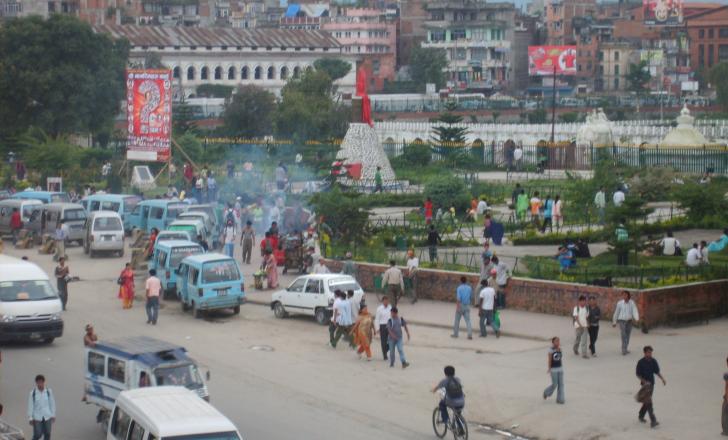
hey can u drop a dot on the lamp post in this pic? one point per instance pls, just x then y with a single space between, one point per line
553 107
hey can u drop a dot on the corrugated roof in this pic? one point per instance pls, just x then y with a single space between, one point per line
154 36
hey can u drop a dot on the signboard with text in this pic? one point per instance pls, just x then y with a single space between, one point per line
551 60
662 12
148 114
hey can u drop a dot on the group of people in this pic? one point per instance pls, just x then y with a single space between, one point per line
543 214
152 292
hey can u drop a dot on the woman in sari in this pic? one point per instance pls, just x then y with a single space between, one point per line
271 269
126 286
363 332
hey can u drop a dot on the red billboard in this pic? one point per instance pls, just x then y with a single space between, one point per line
550 60
663 12
148 114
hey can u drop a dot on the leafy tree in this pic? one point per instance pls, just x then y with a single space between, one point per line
719 79
703 202
192 146
249 112
427 66
415 154
638 78
446 191
152 60
448 133
344 213
335 68
183 118
47 155
58 75
570 117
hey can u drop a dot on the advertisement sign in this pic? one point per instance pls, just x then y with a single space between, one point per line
148 114
550 60
663 12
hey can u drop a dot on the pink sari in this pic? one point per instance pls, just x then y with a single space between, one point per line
271 269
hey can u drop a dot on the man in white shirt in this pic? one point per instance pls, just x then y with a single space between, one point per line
342 317
618 197
517 156
482 207
229 238
670 245
694 257
41 409
393 282
413 264
600 201
580 314
486 310
384 312
319 267
624 314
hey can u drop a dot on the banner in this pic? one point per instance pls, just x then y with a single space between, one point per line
543 59
148 114
663 12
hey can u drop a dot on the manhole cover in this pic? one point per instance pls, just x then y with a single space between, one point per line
262 348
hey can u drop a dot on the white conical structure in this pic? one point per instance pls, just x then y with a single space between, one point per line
361 145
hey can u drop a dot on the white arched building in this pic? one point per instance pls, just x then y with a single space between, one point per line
226 56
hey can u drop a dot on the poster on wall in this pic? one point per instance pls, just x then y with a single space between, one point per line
663 12
148 114
550 60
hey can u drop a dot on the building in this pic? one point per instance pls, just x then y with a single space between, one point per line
708 35
614 61
560 15
477 39
527 31
266 58
412 17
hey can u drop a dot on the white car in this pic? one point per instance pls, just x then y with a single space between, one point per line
313 295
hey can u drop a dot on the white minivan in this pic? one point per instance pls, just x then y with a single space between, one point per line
30 308
104 233
167 413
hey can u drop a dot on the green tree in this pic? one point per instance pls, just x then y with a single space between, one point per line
344 214
47 155
448 133
719 79
335 68
249 112
152 60
703 202
427 66
214 91
638 78
58 75
446 191
183 118
536 116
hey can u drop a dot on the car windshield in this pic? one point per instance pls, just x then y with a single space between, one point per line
131 202
26 291
74 214
190 228
220 271
181 375
110 206
343 284
179 253
60 198
107 224
174 210
212 436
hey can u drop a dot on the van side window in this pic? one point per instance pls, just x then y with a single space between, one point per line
315 286
2 212
137 432
116 370
161 259
120 424
156 213
137 210
95 205
96 363
192 277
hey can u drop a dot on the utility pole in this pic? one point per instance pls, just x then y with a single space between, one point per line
553 107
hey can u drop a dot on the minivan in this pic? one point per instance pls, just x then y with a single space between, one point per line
121 204
30 308
24 206
43 196
45 218
193 226
167 413
166 259
157 213
208 282
104 232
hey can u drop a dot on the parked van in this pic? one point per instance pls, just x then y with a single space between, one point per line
136 362
45 218
213 211
30 308
104 232
121 204
43 196
194 226
155 213
205 219
209 282
167 413
166 259
167 235
24 206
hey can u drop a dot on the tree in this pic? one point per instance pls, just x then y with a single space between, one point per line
344 213
58 75
152 60
638 78
335 68
427 66
448 133
719 79
183 118
249 112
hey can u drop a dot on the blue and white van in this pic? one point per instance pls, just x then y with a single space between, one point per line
166 259
122 204
43 196
157 213
209 282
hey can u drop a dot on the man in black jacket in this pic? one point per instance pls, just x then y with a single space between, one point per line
647 368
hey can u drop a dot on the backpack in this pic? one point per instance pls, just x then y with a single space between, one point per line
453 389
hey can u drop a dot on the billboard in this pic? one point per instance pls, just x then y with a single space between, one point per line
662 12
550 60
148 114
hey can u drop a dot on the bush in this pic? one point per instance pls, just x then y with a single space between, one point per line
446 191
418 154
701 201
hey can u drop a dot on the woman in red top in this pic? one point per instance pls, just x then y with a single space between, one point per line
152 242
428 210
126 286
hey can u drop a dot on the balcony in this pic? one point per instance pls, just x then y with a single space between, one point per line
498 44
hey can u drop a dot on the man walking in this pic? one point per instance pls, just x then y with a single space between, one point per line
228 236
61 274
595 314
579 315
464 297
394 330
247 239
486 309
413 265
622 238
433 239
624 314
342 318
60 237
378 180
502 275
41 409
393 282
647 368
600 201
381 318
16 224
153 287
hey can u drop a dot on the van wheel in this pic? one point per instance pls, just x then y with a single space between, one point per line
49 340
196 312
321 316
85 248
279 311
185 307
121 253
91 253
236 310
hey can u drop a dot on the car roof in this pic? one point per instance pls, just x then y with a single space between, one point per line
328 276
95 214
108 196
63 205
176 243
15 269
137 345
206 258
161 202
193 222
18 202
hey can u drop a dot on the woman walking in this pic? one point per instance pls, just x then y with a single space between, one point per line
271 269
126 286
558 217
556 371
363 331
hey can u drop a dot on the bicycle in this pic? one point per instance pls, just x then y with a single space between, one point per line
456 422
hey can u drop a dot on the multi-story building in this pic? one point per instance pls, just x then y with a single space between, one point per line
477 39
527 31
412 33
708 36
614 61
560 16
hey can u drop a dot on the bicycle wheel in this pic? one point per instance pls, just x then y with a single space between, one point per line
438 425
460 427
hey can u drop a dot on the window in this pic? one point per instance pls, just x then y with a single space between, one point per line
616 69
96 363
120 424
711 33
95 205
701 33
723 32
723 52
437 36
701 55
175 73
116 370
616 55
710 55
137 432
284 72
191 73
616 83
218 73
297 286
231 73
244 73
258 72
271 72
161 259
315 286
204 73
156 213
457 34
437 16
192 276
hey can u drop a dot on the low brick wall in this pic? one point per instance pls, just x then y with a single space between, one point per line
656 306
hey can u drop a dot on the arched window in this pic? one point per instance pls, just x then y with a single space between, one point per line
204 73
218 72
296 72
191 73
284 72
175 73
244 72
271 72
231 73
258 73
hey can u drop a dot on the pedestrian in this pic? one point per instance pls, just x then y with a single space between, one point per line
595 314
281 176
647 368
41 409
413 265
580 315
335 310
62 278
704 251
362 333
126 286
724 415
211 188
694 256
482 206
378 180
381 318
247 238
90 338
153 287
152 241
625 314
557 212
16 224
319 267
354 305
556 370
670 245
514 195
394 330
228 236
270 266
486 263
618 197
393 282
454 396
521 206
502 275
342 318
535 207
486 309
464 297
600 202
59 238
349 267
548 207
622 238
433 239
428 211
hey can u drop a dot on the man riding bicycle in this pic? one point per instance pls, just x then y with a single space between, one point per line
454 396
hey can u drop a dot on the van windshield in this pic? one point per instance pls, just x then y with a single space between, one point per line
174 210
179 254
107 224
212 436
26 291
60 198
74 214
180 375
110 206
220 271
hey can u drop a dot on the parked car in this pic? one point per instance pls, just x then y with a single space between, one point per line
313 295
104 233
155 213
24 206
